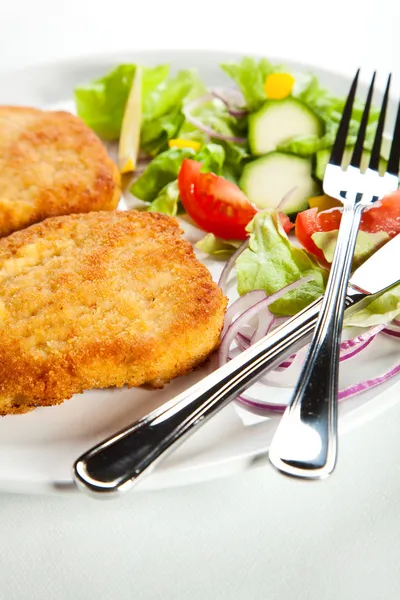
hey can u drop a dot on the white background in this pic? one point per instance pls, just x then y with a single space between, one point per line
255 535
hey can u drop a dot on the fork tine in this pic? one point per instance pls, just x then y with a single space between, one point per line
340 142
394 157
359 145
376 148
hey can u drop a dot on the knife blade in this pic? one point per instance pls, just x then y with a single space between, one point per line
377 273
117 463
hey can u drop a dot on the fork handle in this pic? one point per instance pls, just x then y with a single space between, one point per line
305 442
117 463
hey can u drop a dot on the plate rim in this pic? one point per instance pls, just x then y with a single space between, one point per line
163 480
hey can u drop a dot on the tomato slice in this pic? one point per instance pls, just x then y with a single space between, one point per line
214 203
308 222
383 217
286 222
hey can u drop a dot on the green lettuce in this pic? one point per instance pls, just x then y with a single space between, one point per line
167 200
249 75
381 310
162 116
212 158
154 134
162 170
367 243
271 262
217 247
235 157
101 103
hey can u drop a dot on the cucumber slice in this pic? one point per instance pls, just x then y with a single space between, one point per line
279 121
266 180
322 159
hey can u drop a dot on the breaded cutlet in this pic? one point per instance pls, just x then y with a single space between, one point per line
98 300
51 164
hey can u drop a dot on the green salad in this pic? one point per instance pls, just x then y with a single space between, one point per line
245 162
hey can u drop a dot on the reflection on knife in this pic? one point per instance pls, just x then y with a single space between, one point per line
116 464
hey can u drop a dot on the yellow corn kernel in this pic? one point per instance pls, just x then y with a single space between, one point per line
180 143
278 85
323 202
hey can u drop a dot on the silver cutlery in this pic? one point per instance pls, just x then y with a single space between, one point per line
116 464
305 442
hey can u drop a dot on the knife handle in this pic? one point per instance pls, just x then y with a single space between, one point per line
117 463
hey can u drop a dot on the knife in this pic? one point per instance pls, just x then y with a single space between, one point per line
117 463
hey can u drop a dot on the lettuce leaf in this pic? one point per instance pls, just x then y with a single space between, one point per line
271 262
217 247
367 243
250 75
162 97
155 133
162 170
381 310
212 157
101 103
167 200
162 110
235 157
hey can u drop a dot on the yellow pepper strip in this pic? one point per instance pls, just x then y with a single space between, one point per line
323 202
180 143
278 86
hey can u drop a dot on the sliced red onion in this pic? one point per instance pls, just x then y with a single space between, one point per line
350 348
266 408
286 363
242 341
208 130
265 322
241 305
353 390
223 280
391 332
230 331
279 321
260 408
392 328
233 100
256 301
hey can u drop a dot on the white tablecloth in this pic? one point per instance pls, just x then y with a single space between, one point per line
255 535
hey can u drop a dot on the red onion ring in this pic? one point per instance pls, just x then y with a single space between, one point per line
208 130
223 279
255 301
350 348
233 100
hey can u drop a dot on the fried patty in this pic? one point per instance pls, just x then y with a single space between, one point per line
97 300
51 164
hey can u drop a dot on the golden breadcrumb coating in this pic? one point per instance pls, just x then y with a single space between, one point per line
51 164
101 299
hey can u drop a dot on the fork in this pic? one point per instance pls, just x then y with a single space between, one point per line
116 464
305 442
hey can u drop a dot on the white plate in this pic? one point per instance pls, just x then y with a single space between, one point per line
38 449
